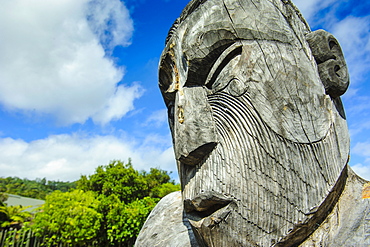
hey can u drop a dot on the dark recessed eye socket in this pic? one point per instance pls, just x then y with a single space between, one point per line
220 65
164 78
165 73
171 113
199 68
171 110
184 62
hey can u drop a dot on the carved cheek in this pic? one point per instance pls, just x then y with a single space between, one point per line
194 128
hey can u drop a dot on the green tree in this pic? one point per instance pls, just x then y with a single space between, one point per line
162 190
37 188
3 198
127 183
127 196
124 221
70 218
13 216
108 208
116 178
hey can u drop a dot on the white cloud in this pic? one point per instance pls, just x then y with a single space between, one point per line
310 7
353 33
362 170
157 118
106 19
358 128
53 61
118 104
362 149
66 157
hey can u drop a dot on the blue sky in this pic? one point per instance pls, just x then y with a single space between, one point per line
78 83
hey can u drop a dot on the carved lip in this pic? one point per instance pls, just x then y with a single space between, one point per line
207 204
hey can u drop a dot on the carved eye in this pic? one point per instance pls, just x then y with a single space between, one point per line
165 73
184 63
216 81
171 113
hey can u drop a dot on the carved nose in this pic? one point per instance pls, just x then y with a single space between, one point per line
195 131
206 201
198 154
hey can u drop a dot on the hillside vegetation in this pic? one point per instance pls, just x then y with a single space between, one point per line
37 188
107 208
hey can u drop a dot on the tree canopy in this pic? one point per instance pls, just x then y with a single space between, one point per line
108 208
69 217
37 188
13 216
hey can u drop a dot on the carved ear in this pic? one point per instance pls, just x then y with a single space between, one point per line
330 62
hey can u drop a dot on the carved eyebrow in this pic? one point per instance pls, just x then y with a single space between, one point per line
165 69
189 8
165 78
230 53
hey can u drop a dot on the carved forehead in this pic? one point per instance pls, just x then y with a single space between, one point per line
193 5
206 28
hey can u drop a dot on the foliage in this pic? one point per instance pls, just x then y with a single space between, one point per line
162 190
116 178
3 198
13 216
125 221
127 183
108 208
69 217
37 188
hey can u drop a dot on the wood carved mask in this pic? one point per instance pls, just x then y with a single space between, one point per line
258 128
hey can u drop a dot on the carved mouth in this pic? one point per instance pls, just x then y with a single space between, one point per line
206 205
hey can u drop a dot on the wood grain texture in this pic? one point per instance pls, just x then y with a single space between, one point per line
259 131
164 229
348 224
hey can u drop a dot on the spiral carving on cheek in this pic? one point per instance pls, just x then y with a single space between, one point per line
262 170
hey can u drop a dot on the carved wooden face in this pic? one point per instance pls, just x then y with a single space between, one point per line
258 142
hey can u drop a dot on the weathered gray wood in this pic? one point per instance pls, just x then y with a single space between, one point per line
259 131
331 64
166 227
349 222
